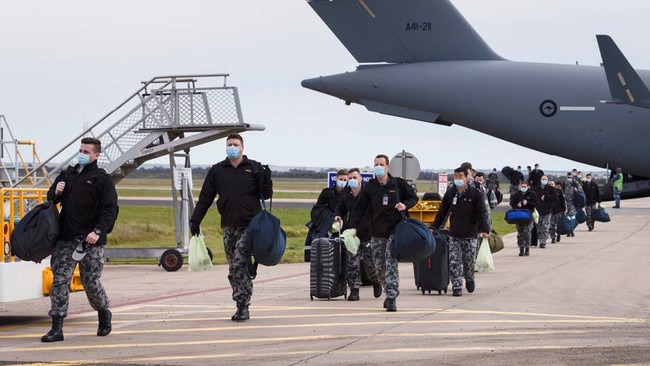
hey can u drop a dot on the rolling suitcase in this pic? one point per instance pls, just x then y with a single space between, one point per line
327 269
432 273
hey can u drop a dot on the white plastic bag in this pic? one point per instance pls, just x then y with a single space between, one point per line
535 216
484 260
199 259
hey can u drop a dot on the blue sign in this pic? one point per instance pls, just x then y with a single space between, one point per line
331 178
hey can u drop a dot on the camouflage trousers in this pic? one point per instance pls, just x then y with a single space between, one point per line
589 209
462 258
552 229
385 265
239 261
354 265
523 234
90 268
543 228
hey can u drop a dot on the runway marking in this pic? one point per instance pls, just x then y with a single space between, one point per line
328 325
60 347
345 351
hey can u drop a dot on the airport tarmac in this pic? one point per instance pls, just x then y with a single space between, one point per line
584 301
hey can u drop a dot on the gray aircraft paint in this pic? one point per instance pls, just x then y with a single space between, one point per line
452 77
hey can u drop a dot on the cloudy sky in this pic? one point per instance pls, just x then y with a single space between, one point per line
67 63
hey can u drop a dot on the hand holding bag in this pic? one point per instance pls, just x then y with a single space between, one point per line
199 258
496 242
518 216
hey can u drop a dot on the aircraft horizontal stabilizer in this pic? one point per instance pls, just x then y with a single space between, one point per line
402 31
625 84
398 111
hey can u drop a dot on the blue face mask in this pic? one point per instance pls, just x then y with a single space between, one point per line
379 171
523 190
544 182
459 182
353 183
232 152
83 159
341 183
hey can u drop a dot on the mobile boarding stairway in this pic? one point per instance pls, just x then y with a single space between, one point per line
166 116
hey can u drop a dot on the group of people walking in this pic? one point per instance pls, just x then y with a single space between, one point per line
89 210
550 200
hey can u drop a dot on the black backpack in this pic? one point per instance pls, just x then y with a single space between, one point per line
35 235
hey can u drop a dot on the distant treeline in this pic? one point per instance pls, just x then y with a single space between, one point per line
200 173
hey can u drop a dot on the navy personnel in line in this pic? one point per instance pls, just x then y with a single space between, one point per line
558 209
547 198
592 195
88 212
239 182
525 198
378 199
331 196
571 187
535 177
466 205
342 214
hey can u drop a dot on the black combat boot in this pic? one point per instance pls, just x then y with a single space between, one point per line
376 290
521 252
354 294
56 333
242 313
105 326
391 305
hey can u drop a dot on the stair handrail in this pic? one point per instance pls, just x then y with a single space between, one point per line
155 79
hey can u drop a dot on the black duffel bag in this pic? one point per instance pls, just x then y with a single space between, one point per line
35 235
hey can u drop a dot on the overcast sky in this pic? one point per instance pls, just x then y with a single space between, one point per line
65 63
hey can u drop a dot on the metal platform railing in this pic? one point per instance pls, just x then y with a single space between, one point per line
166 115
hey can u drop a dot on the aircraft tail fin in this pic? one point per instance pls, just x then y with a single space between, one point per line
625 84
402 31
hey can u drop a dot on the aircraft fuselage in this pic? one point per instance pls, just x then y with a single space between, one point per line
556 109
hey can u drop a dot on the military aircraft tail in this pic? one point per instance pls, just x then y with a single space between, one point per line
625 84
403 31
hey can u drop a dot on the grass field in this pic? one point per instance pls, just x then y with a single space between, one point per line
153 226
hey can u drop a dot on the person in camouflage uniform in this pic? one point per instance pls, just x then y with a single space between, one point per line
571 186
592 197
547 197
342 214
382 200
465 206
239 182
525 198
88 212
558 209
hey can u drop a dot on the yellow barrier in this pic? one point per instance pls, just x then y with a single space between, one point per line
48 278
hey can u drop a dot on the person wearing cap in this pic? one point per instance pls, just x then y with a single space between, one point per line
88 212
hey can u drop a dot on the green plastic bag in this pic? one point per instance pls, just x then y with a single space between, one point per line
199 259
351 240
484 260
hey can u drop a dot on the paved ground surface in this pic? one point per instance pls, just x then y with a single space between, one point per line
584 301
